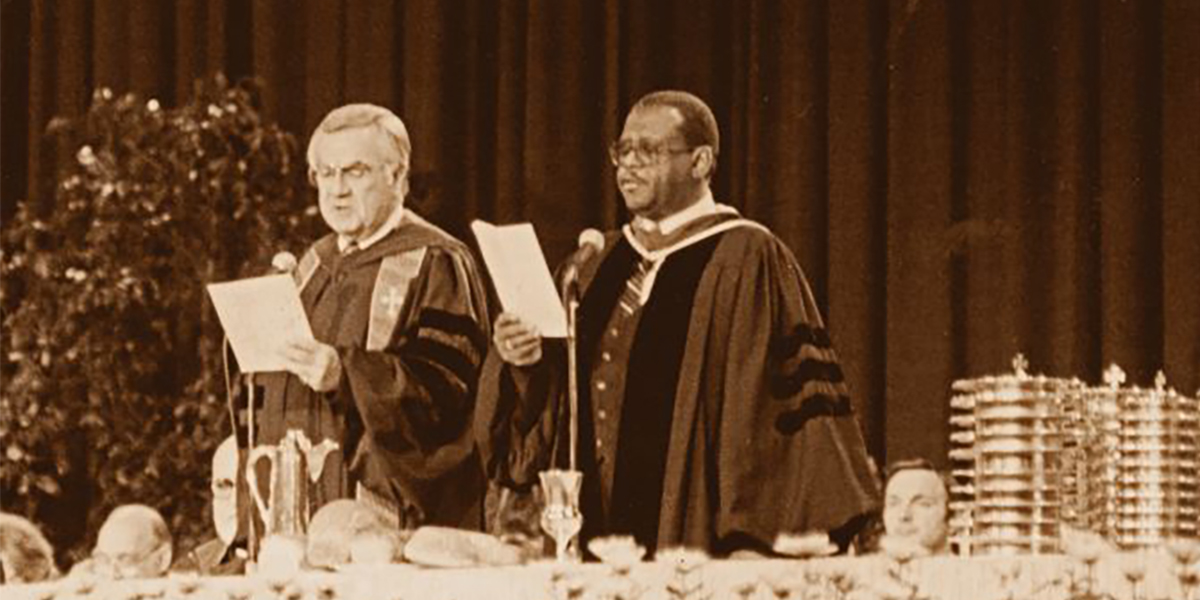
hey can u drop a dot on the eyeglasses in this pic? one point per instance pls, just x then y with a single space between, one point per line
641 153
224 486
353 173
126 565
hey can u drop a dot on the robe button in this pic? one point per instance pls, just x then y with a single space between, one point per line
613 332
606 356
599 444
600 385
602 414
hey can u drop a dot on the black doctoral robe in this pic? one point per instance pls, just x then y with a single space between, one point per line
410 357
759 433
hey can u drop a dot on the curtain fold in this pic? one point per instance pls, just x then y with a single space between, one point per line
961 181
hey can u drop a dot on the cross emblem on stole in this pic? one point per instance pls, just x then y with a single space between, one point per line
393 301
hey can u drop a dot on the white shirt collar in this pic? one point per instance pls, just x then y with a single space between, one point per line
703 207
392 222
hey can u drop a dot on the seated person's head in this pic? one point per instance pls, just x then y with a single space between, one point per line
345 530
134 542
225 490
25 555
915 506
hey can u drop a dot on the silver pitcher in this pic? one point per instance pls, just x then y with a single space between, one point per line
291 459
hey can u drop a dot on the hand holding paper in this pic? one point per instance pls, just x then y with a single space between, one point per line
517 342
260 315
317 365
523 281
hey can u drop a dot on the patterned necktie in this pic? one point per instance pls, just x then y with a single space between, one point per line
631 296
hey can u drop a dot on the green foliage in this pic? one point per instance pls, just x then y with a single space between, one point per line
113 385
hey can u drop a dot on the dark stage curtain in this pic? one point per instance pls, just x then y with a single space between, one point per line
961 180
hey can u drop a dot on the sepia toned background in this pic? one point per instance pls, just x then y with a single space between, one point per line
962 181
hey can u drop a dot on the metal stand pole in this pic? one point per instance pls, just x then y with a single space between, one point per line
252 528
561 517
572 375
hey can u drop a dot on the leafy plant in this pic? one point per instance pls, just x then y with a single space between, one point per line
113 387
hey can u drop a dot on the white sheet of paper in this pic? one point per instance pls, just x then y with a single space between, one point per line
523 281
258 315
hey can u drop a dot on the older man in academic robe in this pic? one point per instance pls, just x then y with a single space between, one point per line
713 412
400 324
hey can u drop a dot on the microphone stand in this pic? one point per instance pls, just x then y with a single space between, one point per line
252 527
572 297
561 517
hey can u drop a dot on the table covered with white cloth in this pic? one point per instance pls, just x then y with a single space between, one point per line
1132 576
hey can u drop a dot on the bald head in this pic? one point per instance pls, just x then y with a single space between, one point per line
25 555
134 542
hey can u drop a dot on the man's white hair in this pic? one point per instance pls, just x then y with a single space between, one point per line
352 116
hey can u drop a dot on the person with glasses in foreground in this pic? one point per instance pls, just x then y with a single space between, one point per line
713 409
225 554
400 323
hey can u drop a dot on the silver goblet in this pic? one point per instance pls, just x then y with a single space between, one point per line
561 518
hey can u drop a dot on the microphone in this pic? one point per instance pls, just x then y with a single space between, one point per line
591 243
284 262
